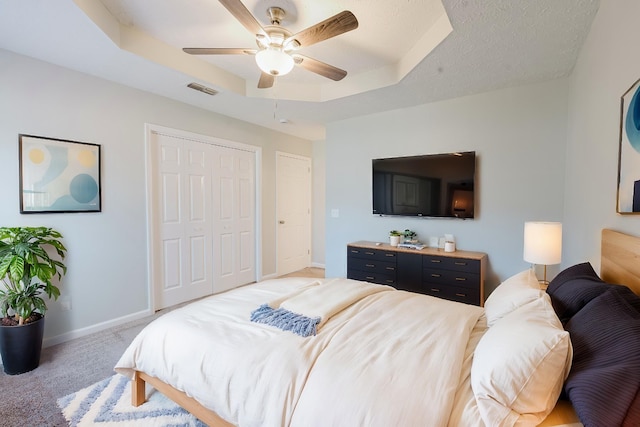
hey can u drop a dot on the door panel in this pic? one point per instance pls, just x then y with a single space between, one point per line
183 230
234 220
171 191
198 259
171 263
293 212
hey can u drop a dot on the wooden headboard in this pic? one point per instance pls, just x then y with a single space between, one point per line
620 259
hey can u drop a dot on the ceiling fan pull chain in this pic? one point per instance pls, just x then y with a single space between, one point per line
275 107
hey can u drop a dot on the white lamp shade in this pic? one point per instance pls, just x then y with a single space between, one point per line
274 62
543 242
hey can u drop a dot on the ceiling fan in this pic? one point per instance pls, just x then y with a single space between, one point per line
276 54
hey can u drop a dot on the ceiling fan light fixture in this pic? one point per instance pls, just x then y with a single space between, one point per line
274 62
262 41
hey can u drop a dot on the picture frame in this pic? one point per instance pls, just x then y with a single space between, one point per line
628 200
58 175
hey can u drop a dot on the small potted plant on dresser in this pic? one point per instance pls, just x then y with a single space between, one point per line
26 271
410 236
394 237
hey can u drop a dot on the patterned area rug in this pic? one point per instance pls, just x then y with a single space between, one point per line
108 403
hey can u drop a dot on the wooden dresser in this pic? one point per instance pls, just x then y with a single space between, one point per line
456 276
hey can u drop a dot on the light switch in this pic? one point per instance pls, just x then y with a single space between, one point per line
335 213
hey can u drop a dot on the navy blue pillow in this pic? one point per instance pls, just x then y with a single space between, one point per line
604 382
628 295
579 271
573 288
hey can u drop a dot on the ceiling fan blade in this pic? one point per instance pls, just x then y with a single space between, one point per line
266 81
242 14
319 67
334 26
219 51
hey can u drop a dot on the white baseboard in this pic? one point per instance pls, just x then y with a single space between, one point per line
82 332
317 265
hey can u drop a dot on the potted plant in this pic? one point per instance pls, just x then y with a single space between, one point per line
26 271
410 236
394 237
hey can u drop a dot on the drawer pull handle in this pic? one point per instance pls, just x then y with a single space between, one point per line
370 265
391 268
354 251
461 295
435 290
389 254
460 263
369 253
389 281
435 275
460 279
369 278
435 260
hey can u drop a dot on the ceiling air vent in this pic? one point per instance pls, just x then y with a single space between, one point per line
203 89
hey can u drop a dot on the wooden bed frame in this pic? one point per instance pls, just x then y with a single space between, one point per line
620 259
620 264
138 397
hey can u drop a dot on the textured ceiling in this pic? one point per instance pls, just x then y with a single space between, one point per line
386 33
494 44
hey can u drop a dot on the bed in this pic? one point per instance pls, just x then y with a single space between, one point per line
380 356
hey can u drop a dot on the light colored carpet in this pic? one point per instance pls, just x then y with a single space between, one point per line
29 399
108 403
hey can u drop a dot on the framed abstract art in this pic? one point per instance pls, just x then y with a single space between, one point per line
58 176
629 154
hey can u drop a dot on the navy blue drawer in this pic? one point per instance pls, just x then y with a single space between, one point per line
447 263
372 254
372 276
450 277
453 293
365 264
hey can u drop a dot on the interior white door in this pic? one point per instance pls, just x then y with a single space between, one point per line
183 210
202 216
293 182
233 217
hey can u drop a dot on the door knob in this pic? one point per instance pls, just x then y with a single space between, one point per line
281 222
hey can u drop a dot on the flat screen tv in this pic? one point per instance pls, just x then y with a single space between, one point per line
434 185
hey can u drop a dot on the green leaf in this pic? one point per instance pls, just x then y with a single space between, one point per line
16 268
29 259
5 262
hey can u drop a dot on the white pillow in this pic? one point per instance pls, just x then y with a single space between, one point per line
520 365
516 291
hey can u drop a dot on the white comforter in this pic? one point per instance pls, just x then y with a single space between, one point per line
392 358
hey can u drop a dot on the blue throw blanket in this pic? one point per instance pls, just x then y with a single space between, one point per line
286 320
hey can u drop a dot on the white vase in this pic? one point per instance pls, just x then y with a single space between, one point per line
394 240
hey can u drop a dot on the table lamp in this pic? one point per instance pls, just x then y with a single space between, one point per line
543 244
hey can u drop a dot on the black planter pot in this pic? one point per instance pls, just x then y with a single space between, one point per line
20 347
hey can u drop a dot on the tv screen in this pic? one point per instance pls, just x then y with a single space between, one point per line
434 185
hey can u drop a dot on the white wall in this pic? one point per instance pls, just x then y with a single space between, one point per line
318 202
107 254
607 66
519 136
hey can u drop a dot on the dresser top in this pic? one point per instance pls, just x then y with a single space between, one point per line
424 251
